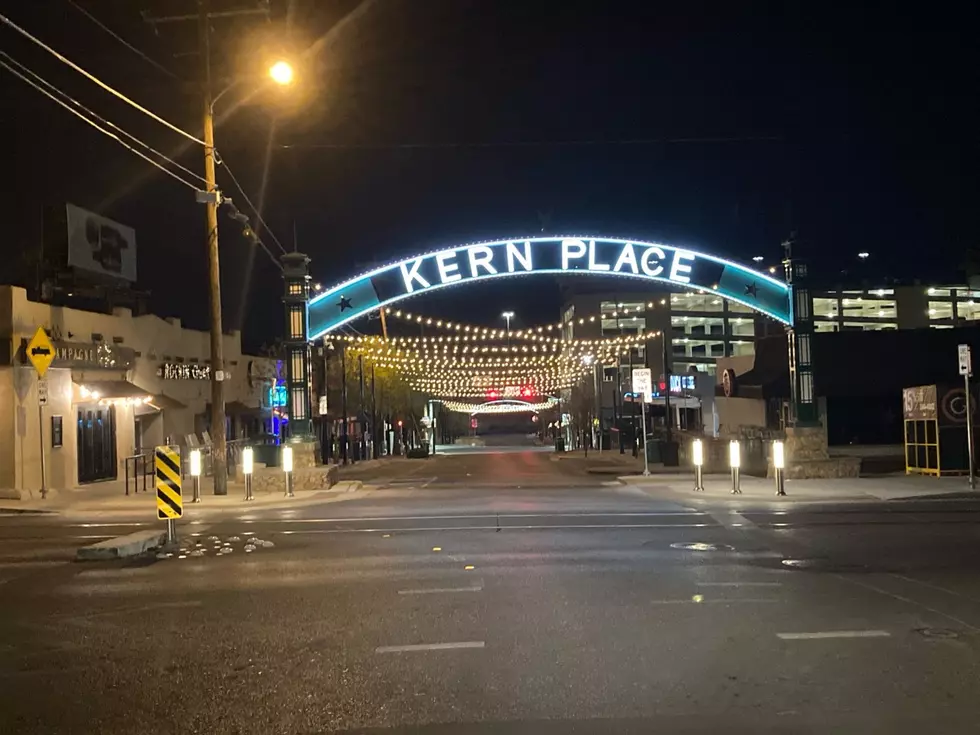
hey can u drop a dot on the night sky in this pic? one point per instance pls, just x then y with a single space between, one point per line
427 123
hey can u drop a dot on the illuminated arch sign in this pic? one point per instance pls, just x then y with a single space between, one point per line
551 255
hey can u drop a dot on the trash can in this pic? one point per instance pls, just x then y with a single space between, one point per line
670 453
653 451
560 444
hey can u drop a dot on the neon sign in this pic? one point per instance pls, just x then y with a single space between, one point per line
277 396
554 255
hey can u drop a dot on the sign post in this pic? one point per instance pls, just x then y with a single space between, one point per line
642 383
966 370
40 352
170 501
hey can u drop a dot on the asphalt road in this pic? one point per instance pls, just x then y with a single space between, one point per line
593 609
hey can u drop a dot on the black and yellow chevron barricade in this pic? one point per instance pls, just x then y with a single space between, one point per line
170 504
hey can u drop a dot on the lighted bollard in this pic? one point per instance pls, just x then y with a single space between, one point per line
697 454
287 466
778 465
735 460
247 469
196 474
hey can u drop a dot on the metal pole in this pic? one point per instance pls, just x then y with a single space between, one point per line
343 401
643 429
698 479
360 406
171 532
375 450
40 437
666 387
289 485
248 486
219 470
736 487
597 431
197 489
969 431
780 484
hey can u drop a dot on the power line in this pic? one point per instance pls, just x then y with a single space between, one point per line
4 19
37 77
258 214
122 40
248 231
95 125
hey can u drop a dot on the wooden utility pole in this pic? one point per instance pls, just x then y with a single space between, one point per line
218 432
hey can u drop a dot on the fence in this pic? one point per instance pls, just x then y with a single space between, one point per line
137 468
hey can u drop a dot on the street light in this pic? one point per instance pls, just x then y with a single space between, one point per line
508 315
281 73
864 255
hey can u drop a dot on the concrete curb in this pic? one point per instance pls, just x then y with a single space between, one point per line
131 544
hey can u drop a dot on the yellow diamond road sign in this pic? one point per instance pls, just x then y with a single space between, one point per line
170 503
40 351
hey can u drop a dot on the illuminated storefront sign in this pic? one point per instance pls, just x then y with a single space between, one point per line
185 371
564 255
277 396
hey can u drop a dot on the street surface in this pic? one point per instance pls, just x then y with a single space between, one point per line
499 591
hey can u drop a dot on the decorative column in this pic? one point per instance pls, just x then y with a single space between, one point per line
295 273
799 338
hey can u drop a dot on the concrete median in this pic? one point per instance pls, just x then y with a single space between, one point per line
131 544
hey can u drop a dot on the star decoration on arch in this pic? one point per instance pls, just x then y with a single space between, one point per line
751 289
344 304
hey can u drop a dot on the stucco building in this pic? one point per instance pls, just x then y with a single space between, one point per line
118 385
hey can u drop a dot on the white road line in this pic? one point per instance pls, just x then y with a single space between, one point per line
394 529
719 601
908 601
430 647
365 519
740 584
823 634
440 590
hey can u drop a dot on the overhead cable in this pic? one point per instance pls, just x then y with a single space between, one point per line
91 77
122 40
38 78
95 125
258 214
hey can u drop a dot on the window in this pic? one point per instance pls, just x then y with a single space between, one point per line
298 367
825 326
296 316
824 308
968 310
299 403
295 288
868 326
940 310
57 431
699 301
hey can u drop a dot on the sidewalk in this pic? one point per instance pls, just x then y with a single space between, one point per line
885 487
110 499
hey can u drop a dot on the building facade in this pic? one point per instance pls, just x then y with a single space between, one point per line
118 385
697 329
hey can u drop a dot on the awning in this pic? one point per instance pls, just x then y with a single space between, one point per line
113 390
163 402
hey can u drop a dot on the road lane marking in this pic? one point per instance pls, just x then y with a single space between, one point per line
430 647
440 590
908 601
824 634
719 601
486 515
740 584
290 532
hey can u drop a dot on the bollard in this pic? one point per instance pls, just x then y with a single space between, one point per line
778 465
196 474
697 454
287 466
735 460
247 469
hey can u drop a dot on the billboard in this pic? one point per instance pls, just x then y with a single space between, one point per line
101 246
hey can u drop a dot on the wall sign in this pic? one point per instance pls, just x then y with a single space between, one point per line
185 371
558 255
920 403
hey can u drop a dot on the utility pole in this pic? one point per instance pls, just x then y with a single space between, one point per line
219 469
203 18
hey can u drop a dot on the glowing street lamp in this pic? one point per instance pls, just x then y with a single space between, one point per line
281 73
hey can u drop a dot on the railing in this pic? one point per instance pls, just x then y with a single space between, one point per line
138 467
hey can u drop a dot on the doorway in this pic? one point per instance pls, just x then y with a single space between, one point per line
96 443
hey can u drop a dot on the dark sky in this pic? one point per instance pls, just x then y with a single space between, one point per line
423 123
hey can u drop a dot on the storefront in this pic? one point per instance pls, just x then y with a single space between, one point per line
118 385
